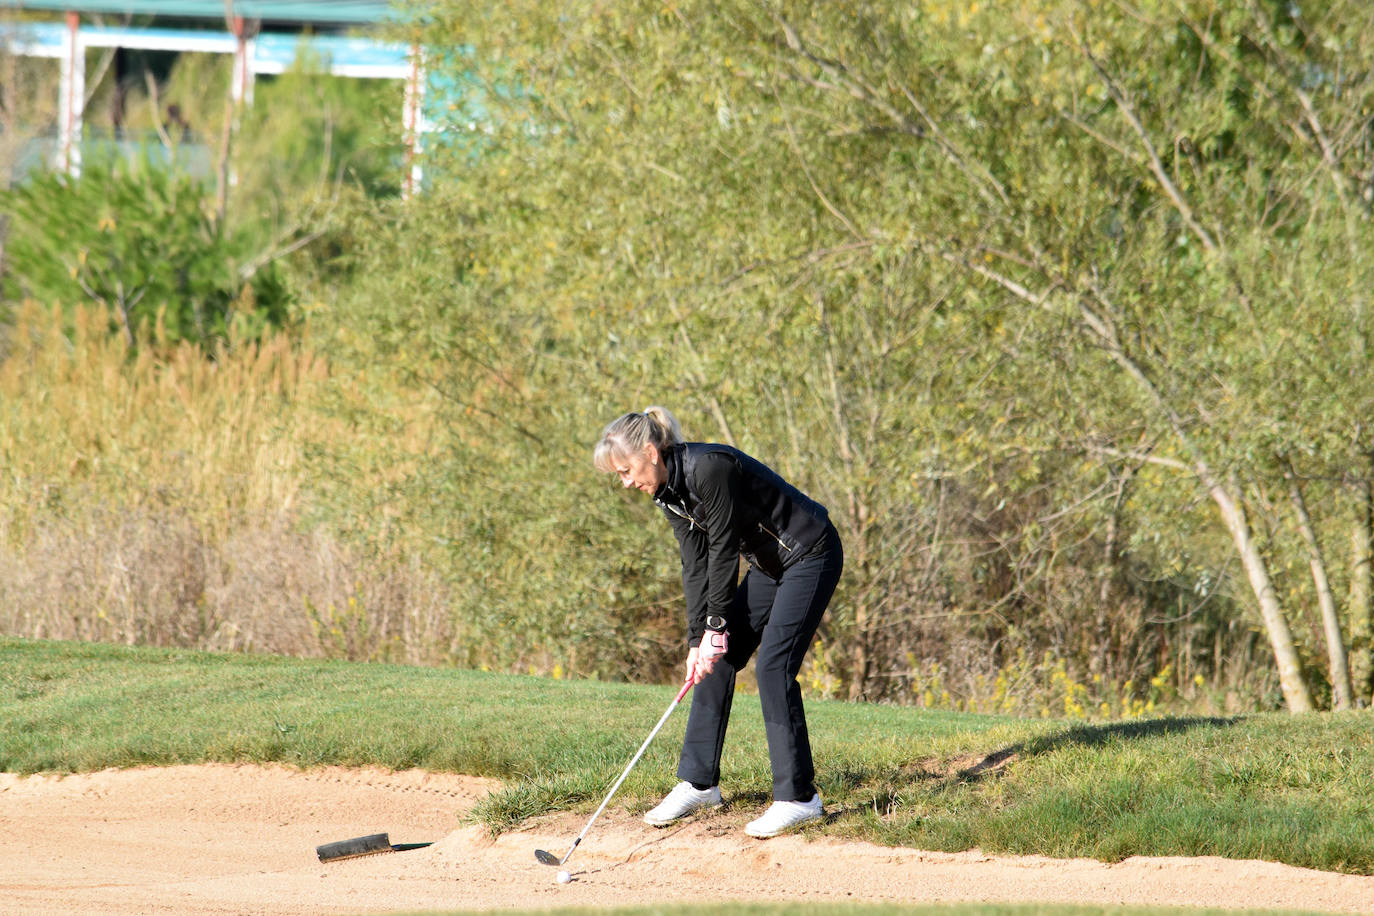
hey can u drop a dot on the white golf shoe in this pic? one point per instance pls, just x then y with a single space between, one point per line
782 816
682 801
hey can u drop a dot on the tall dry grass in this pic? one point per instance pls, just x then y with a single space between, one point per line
157 496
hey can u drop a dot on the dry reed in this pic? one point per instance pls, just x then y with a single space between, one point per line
156 496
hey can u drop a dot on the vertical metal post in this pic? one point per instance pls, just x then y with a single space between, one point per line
241 89
412 118
72 103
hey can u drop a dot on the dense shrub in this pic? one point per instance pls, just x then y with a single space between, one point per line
138 240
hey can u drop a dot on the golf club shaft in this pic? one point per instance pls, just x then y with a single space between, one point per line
640 753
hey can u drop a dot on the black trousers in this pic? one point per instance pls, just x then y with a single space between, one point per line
775 619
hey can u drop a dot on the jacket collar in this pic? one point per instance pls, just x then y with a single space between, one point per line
674 487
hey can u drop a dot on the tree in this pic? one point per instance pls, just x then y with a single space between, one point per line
136 239
929 259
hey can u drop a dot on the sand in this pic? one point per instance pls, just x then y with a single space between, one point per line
241 839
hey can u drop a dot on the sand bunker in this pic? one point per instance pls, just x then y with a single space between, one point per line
241 839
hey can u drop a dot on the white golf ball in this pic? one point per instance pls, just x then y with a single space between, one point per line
564 877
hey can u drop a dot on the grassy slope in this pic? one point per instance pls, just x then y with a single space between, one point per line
1296 790
850 909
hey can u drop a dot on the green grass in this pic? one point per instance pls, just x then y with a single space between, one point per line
892 909
851 909
1298 790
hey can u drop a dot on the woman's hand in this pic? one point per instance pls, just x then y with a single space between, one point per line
699 665
701 660
692 666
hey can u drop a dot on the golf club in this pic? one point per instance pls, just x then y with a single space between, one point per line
549 858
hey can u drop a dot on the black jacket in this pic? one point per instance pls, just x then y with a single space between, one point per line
723 504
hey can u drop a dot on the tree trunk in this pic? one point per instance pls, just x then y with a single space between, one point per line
1295 692
860 659
1099 327
1362 593
1337 658
1108 578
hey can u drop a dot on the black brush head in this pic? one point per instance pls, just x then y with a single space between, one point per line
358 846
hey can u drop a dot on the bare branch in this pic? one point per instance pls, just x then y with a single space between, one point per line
844 79
717 410
1143 457
1161 174
1125 152
815 188
154 103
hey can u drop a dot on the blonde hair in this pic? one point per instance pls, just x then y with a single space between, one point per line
629 433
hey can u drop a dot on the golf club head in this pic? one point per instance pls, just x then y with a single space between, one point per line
547 858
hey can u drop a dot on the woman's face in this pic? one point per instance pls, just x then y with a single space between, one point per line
642 470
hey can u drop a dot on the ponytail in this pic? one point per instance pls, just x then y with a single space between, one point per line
631 432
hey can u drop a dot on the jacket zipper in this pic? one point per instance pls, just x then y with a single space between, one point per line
696 524
781 542
687 515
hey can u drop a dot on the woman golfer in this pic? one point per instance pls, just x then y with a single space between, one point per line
723 504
